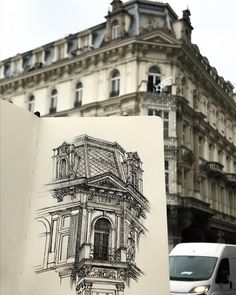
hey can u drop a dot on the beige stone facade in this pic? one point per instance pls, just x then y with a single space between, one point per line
119 68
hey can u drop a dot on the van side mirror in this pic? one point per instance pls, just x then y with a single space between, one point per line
223 277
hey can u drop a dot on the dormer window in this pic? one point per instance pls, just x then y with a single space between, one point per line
84 41
115 30
31 102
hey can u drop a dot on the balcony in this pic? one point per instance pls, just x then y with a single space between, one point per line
186 155
231 178
215 169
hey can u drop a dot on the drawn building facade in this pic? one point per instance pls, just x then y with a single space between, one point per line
94 228
123 67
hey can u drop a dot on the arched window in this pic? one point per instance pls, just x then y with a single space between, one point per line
31 101
115 84
78 94
53 106
154 80
115 30
62 168
101 239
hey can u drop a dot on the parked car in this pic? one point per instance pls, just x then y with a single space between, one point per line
203 268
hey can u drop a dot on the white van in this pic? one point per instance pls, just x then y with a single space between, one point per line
203 268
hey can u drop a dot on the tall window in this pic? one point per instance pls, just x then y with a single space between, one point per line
101 239
167 175
184 87
115 30
165 117
62 169
154 80
31 101
53 106
115 84
78 94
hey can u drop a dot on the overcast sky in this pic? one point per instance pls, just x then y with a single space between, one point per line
26 24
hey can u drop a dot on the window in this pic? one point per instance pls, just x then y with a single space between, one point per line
62 169
154 80
115 84
167 175
101 239
184 88
31 103
53 107
223 272
115 30
165 117
78 94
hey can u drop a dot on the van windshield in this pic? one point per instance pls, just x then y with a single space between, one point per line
191 268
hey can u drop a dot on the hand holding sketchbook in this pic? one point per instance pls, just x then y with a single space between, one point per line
83 207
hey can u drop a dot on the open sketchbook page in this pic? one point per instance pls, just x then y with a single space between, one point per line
98 209
18 132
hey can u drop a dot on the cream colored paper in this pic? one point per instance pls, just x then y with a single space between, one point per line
141 134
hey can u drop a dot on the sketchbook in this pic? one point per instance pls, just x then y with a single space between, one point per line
83 208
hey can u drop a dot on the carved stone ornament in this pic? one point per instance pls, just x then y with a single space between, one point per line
93 272
120 286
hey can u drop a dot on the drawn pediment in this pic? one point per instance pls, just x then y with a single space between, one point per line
107 182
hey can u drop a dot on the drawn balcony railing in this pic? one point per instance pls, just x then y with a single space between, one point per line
215 169
231 178
105 253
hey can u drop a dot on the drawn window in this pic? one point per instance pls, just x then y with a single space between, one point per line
115 30
31 102
115 84
78 94
154 80
101 239
62 169
63 248
53 106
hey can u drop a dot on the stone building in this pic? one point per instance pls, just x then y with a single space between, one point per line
141 61
93 230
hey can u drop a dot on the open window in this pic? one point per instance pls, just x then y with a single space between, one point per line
154 80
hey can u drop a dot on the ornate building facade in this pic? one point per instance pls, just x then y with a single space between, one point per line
94 228
120 68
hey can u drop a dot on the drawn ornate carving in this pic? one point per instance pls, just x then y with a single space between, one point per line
131 245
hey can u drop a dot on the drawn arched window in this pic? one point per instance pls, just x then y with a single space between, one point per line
78 94
115 30
31 101
154 80
101 239
115 84
53 106
62 168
